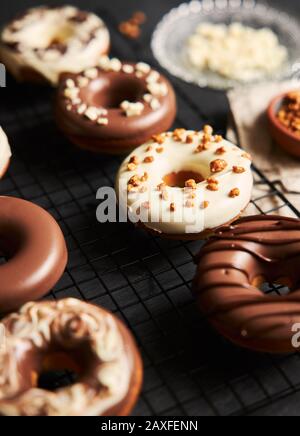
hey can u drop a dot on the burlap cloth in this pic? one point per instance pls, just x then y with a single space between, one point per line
249 127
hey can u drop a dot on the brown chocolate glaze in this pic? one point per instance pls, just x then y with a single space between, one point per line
52 336
35 249
232 266
122 133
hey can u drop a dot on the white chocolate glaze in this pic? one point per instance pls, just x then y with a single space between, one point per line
31 35
5 152
198 209
67 323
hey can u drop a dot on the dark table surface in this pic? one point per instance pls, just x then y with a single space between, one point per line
189 369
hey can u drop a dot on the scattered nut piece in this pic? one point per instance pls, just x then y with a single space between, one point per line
247 156
134 160
145 177
189 139
218 165
205 204
191 184
238 170
159 150
130 30
208 130
234 193
131 167
160 139
172 207
149 159
178 134
220 151
218 138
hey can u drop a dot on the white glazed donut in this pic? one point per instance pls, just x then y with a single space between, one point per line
5 153
47 41
185 184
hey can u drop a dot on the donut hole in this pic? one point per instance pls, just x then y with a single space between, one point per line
110 92
178 179
60 368
280 287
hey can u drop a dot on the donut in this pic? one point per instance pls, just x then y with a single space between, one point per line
44 42
33 245
115 106
5 153
185 184
231 268
68 335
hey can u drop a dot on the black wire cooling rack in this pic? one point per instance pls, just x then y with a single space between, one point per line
189 369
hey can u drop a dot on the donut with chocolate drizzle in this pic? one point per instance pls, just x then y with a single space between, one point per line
231 268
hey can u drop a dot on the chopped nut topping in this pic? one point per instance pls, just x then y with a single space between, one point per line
91 73
212 187
172 207
132 109
208 130
218 138
131 167
159 150
191 184
189 139
149 148
220 151
234 193
134 160
205 204
145 177
160 139
178 134
134 181
149 159
238 170
218 165
129 29
212 180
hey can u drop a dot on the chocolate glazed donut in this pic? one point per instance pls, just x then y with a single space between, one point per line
35 250
91 107
231 268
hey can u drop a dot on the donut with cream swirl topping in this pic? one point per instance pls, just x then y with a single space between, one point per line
68 334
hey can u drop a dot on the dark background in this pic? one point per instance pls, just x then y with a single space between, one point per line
189 369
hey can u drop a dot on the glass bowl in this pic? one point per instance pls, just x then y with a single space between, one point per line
170 37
